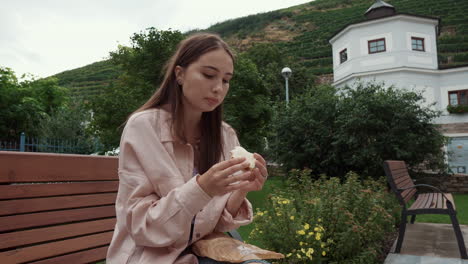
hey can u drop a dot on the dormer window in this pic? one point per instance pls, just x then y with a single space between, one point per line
376 45
417 44
343 55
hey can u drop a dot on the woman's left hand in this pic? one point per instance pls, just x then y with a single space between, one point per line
259 175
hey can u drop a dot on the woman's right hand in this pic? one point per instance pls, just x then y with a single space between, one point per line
219 179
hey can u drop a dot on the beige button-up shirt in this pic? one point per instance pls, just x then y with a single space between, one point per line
158 196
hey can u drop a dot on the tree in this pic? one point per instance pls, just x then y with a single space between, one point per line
69 123
247 106
337 131
23 104
142 65
270 60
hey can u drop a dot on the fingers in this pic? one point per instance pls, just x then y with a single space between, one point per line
241 185
228 163
235 168
262 169
260 158
246 176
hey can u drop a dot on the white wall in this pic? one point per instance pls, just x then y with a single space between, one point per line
397 31
434 87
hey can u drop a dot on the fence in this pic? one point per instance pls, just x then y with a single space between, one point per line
31 144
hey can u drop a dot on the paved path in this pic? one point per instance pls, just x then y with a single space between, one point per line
429 244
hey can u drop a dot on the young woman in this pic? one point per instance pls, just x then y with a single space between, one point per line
177 181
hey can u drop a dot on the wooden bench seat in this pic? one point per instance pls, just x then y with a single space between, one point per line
432 201
435 202
57 208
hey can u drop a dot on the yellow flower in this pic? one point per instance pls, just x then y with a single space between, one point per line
311 233
303 250
278 214
322 245
292 217
324 253
318 236
298 256
306 226
301 232
260 213
309 253
288 255
301 243
316 229
320 220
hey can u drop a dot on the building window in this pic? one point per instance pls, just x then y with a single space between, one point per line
458 97
376 45
343 55
417 44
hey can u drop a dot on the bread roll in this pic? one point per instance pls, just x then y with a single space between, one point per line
240 152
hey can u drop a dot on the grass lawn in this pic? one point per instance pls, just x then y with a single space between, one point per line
461 205
258 200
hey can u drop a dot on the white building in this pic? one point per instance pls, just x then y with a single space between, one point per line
401 50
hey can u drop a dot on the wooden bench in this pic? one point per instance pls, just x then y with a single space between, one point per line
424 203
57 208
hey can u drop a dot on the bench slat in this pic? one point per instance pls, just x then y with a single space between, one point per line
418 202
87 256
440 202
450 198
430 198
396 164
55 248
9 223
54 203
27 237
404 184
47 167
400 173
54 189
408 194
402 179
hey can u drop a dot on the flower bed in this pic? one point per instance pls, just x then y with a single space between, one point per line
325 221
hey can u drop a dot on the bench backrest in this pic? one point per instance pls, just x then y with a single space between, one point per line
56 208
398 178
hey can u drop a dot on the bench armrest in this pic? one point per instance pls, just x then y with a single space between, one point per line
428 186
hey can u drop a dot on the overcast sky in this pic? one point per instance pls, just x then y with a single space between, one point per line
45 37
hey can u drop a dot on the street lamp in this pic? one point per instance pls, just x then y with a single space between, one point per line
286 72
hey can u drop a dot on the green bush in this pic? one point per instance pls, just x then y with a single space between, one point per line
355 129
326 221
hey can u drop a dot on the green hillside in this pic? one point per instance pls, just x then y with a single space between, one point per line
303 31
89 80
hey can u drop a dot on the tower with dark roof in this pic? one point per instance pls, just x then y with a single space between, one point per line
401 50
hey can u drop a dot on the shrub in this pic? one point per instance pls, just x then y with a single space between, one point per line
327 221
355 129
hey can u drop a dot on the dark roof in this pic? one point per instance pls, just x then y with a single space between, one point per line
446 67
373 19
378 4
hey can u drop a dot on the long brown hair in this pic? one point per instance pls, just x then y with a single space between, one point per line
170 92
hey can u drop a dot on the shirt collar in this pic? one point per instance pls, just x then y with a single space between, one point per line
165 122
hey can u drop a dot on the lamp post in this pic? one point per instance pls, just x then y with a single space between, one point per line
286 72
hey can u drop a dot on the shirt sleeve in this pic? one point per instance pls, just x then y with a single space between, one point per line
146 168
229 222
